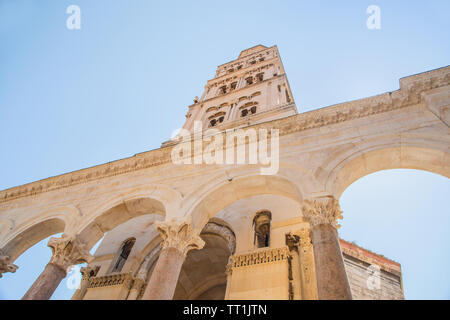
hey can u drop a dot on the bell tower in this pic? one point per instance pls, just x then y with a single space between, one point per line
249 90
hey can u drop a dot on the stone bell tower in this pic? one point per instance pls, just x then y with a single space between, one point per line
249 90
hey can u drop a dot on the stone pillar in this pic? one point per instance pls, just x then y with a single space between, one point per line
332 281
5 265
306 256
178 239
135 289
87 273
66 251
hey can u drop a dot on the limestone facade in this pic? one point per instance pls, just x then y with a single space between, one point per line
187 231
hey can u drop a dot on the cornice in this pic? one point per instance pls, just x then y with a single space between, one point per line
409 94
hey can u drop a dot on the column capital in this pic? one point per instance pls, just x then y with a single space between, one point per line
324 210
5 265
67 251
178 234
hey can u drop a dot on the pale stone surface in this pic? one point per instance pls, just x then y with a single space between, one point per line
321 153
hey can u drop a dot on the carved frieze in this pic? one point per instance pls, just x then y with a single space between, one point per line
124 279
409 94
260 257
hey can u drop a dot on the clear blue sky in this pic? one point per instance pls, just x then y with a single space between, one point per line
71 99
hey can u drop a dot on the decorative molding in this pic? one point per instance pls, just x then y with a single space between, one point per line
223 231
67 251
124 279
89 272
5 265
179 235
260 257
322 211
305 239
147 263
408 94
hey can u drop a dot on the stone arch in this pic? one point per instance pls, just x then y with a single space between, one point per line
155 199
117 214
220 228
149 257
363 162
223 194
23 236
32 234
203 275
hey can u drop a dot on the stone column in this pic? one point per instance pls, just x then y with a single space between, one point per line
66 251
135 289
178 239
5 265
332 281
87 273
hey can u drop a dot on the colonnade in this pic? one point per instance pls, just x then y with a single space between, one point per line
179 238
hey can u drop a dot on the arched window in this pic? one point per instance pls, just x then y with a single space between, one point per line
216 119
223 90
248 109
261 224
260 77
123 254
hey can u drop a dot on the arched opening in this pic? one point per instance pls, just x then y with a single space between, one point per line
240 188
403 214
122 255
117 215
355 164
261 224
203 276
28 250
31 236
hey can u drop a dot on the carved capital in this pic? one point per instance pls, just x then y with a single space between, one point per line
5 265
322 211
68 251
179 235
